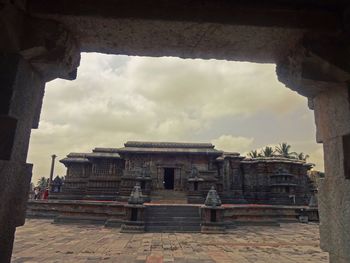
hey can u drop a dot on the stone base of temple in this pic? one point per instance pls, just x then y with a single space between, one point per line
312 213
64 196
228 198
124 198
100 197
78 219
168 197
114 223
166 217
213 228
195 199
133 227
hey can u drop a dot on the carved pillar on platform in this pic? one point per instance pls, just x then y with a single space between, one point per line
135 222
212 214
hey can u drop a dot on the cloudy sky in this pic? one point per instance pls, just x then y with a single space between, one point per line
235 105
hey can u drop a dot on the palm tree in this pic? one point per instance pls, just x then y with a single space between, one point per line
42 183
283 150
301 156
267 151
254 154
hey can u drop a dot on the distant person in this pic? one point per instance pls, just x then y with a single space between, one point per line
36 193
46 194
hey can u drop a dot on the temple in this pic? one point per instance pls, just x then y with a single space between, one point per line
183 172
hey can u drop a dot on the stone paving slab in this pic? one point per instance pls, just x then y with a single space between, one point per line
42 241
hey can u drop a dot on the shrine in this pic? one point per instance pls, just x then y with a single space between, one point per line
183 172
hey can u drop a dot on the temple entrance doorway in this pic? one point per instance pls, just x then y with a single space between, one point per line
168 180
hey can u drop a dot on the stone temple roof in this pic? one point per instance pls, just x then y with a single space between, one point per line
75 158
169 147
275 159
104 153
105 150
96 153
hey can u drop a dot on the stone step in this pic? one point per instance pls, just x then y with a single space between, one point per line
256 223
172 223
150 214
171 219
174 219
166 201
172 208
173 228
173 211
168 197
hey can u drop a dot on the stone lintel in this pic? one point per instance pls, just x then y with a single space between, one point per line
46 44
289 14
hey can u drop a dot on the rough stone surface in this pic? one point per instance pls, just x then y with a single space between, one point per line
334 204
213 198
40 241
332 113
136 196
21 91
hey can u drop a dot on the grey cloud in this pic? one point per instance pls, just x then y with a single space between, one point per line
117 98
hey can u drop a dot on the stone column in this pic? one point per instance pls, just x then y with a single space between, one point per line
332 116
53 157
21 92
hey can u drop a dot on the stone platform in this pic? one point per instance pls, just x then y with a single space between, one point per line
115 213
41 241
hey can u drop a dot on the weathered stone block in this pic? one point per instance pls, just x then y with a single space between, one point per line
334 203
332 113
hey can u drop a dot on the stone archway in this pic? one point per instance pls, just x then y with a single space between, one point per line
42 40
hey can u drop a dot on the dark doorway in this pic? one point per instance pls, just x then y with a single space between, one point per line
169 178
212 215
133 214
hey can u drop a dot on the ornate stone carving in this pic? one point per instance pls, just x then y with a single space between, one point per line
136 196
213 198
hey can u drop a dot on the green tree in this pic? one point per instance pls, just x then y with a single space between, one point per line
301 156
267 151
283 149
42 183
254 154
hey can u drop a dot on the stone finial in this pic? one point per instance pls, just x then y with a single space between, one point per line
136 195
213 198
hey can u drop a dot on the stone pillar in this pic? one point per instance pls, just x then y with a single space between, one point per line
212 214
53 157
135 222
21 92
332 115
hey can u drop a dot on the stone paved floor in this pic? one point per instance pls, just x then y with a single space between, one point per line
41 241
